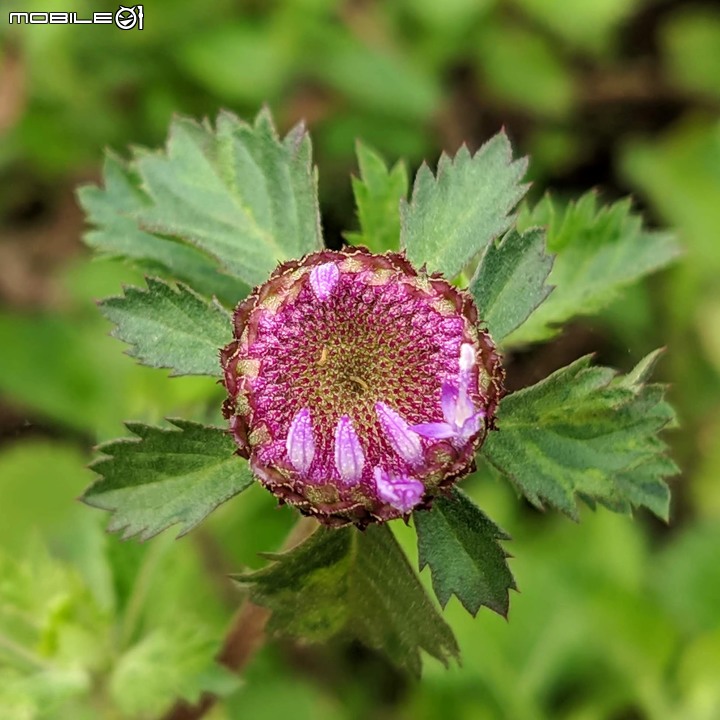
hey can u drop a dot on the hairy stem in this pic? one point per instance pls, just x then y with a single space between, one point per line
245 636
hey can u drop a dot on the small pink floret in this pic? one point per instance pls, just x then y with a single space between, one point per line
300 443
323 279
349 456
400 491
405 442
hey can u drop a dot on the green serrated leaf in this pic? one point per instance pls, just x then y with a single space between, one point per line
510 282
353 584
451 217
460 544
583 432
111 210
378 193
166 477
597 253
239 193
170 327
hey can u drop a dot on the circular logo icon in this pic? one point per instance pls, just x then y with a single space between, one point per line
126 18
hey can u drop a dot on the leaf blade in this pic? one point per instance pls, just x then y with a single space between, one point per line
240 193
170 327
344 583
509 284
166 477
585 433
460 544
378 193
453 215
598 251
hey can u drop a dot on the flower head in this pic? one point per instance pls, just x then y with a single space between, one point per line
359 387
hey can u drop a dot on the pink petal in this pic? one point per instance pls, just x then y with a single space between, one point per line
300 444
436 430
349 456
400 491
323 279
404 441
467 357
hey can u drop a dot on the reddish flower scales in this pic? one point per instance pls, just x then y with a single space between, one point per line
359 387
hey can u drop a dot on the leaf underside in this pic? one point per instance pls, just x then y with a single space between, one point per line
231 200
585 432
598 252
355 585
460 544
453 215
166 477
170 327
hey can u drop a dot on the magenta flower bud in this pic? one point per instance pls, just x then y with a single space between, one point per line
359 388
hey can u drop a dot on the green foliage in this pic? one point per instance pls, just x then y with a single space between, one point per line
585 432
510 281
238 193
460 544
378 193
597 253
144 684
170 327
453 215
166 477
112 211
356 585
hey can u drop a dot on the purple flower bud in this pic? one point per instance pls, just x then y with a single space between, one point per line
358 386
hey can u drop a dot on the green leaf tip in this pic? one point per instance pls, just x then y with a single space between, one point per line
378 193
170 327
352 584
585 432
460 544
165 477
453 215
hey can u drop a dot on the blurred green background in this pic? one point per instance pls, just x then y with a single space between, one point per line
616 619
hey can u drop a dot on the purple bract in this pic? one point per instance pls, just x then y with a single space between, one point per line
359 387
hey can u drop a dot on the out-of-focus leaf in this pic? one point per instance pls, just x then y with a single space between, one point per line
510 281
597 253
691 40
214 57
454 214
376 79
460 544
166 477
170 327
586 433
168 663
378 192
588 26
686 577
521 66
353 584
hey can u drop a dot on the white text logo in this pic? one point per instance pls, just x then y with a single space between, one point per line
126 18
